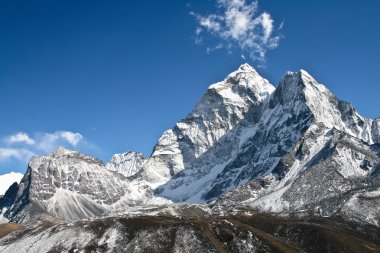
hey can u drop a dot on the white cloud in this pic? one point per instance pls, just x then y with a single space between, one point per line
237 24
211 49
72 138
281 25
20 154
50 141
210 23
20 137
22 147
267 23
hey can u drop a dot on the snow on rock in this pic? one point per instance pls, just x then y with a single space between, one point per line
323 169
49 240
332 112
364 206
165 233
127 164
2 218
224 105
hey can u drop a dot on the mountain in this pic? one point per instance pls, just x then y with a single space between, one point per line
256 146
6 180
225 105
247 148
283 141
69 185
324 155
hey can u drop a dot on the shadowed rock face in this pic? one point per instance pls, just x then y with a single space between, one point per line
327 169
232 233
9 197
376 130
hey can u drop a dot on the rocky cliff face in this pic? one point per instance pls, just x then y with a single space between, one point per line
127 164
226 104
327 170
66 184
7 201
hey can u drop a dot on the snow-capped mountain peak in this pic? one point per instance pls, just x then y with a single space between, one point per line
62 151
244 68
301 89
243 83
224 105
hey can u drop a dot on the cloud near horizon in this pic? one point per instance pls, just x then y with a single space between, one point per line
20 154
19 138
237 24
21 146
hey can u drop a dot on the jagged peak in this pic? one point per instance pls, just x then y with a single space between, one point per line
61 151
63 156
244 79
300 74
326 108
243 72
301 86
128 154
64 152
302 82
245 67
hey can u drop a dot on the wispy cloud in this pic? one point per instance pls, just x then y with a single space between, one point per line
49 141
238 24
22 146
21 137
19 154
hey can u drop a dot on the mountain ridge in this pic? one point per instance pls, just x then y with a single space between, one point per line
245 143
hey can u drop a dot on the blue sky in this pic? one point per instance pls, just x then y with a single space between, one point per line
105 77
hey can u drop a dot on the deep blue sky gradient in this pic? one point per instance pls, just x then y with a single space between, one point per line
122 72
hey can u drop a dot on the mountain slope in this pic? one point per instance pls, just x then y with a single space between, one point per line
326 171
127 164
233 233
224 105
